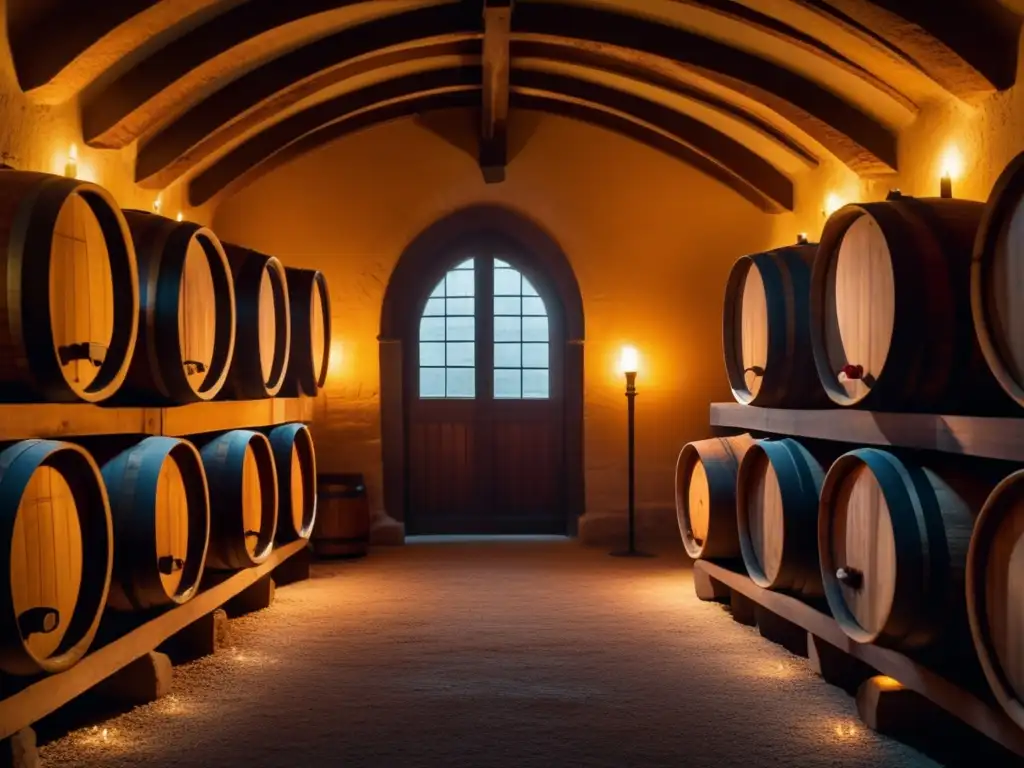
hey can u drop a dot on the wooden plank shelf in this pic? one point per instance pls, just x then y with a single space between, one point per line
29 705
962 704
20 421
991 438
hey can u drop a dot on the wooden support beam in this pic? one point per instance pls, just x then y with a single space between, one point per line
294 569
496 66
200 638
253 598
835 666
145 680
19 750
708 589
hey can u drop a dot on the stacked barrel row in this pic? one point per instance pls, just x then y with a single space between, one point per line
131 308
133 525
910 305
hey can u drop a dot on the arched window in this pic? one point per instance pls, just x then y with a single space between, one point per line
450 333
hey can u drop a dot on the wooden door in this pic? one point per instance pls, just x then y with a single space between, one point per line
485 447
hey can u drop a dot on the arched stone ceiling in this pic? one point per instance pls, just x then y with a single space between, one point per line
759 90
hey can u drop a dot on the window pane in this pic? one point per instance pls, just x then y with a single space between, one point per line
460 353
528 289
500 263
535 383
533 305
459 283
507 384
431 382
507 329
438 290
460 328
535 329
434 307
460 307
507 356
467 264
505 305
432 329
507 282
431 354
461 382
534 356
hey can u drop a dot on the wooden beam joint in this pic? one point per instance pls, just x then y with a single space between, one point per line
496 67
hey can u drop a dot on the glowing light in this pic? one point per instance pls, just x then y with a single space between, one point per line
887 683
181 216
156 204
106 735
952 164
629 360
832 203
801 239
335 362
71 166
845 730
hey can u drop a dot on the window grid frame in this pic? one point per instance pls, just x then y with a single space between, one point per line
467 265
526 290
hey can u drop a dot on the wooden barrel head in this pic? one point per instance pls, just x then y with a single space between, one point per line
860 306
46 559
172 523
698 508
197 315
862 541
765 517
81 293
318 329
267 324
252 501
752 322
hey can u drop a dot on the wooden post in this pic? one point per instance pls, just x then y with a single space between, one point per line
496 68
254 598
295 568
146 679
743 609
779 630
836 666
200 638
19 750
708 589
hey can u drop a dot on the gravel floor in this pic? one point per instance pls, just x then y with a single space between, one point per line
491 654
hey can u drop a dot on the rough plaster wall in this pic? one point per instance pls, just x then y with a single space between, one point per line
37 137
651 242
985 137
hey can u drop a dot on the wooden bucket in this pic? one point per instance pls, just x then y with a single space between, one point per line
766 333
890 308
71 294
243 499
186 336
295 461
311 332
995 593
161 510
706 496
55 526
343 519
997 281
777 491
263 337
893 539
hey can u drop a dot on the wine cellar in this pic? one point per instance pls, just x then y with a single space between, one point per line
482 383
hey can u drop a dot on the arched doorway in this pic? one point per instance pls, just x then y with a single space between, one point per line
482 380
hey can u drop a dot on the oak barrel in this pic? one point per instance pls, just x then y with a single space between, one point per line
310 353
997 281
69 291
243 485
890 308
56 531
777 491
186 337
161 511
706 496
893 539
295 461
766 334
263 338
995 593
343 522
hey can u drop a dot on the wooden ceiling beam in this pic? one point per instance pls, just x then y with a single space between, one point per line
496 67
653 124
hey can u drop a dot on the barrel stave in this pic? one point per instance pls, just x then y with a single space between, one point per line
295 463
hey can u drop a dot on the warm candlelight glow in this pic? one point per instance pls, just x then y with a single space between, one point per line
334 365
71 166
156 204
952 164
181 216
628 360
832 203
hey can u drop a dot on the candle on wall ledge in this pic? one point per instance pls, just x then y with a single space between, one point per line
71 166
156 204
952 166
